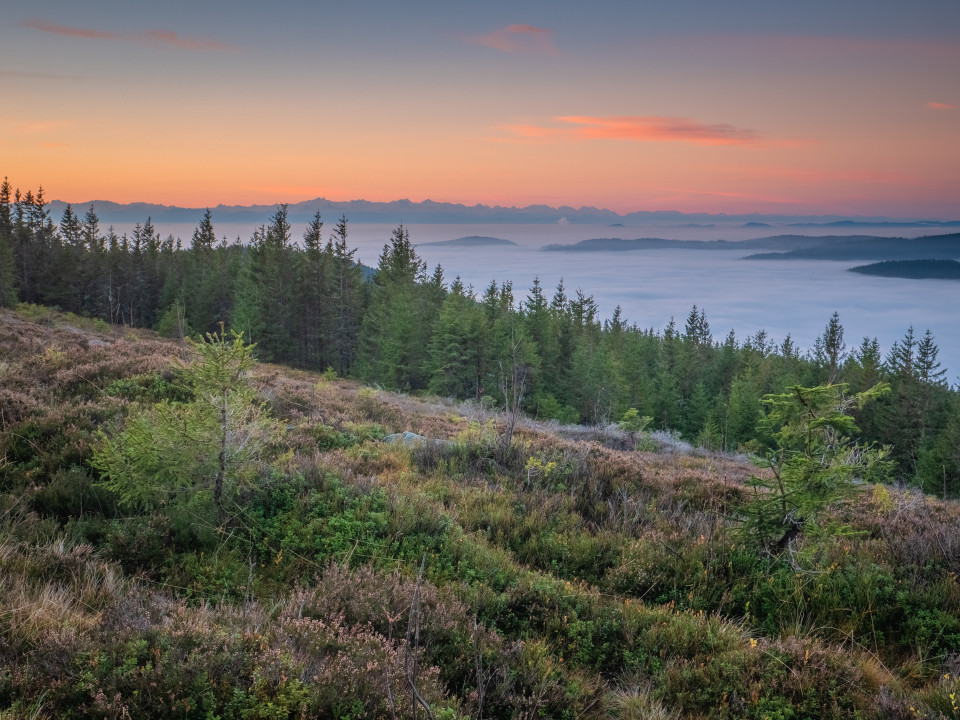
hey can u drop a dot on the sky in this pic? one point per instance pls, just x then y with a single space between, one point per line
818 107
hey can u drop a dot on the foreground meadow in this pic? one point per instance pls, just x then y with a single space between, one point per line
564 574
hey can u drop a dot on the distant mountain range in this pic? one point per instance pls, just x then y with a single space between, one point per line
429 211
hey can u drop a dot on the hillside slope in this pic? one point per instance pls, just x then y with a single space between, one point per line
565 576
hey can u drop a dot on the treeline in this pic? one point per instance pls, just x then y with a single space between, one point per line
308 304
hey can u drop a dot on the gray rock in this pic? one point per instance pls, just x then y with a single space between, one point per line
405 438
409 439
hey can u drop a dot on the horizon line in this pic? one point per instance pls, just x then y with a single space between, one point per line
520 208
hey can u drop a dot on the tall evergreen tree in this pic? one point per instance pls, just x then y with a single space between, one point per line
902 356
8 278
266 303
348 298
457 362
396 328
928 367
865 365
544 326
314 296
830 350
73 259
201 279
91 271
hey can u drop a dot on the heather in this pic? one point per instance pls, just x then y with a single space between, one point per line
562 574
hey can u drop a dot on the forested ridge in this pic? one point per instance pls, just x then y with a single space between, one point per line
307 304
918 269
189 531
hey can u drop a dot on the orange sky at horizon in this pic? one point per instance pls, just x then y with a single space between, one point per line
483 107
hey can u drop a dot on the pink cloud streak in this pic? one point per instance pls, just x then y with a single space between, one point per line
941 106
811 47
159 38
518 39
647 128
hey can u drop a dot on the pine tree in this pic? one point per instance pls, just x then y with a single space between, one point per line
204 237
600 385
902 356
265 303
73 256
193 458
694 354
814 465
927 366
6 217
92 238
865 365
787 367
830 350
743 411
248 313
71 229
696 332
314 294
904 421
347 299
202 278
277 275
92 280
541 326
8 279
396 327
938 461
457 362
583 312
48 270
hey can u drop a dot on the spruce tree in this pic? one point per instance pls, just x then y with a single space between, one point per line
314 296
928 368
457 362
92 272
830 350
201 279
865 366
193 458
814 465
348 299
396 327
8 281
73 255
541 327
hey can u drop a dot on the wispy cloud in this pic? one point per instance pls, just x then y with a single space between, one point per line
19 75
941 106
821 176
42 125
518 40
646 128
18 125
805 48
158 38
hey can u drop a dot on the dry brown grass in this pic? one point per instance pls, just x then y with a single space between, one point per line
653 513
